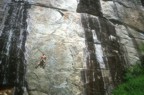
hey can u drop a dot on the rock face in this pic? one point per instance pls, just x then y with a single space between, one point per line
12 39
124 11
59 32
59 35
127 16
87 43
6 91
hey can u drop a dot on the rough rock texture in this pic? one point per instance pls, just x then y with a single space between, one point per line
92 7
88 44
128 12
2 9
105 56
6 91
69 5
128 19
12 40
59 35
82 50
127 42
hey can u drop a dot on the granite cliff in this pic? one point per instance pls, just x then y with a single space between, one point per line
88 45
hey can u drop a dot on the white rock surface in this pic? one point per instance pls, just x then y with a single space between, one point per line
61 38
127 43
124 11
70 5
108 9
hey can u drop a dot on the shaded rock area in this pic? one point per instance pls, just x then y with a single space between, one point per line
12 40
6 91
105 58
92 7
1 11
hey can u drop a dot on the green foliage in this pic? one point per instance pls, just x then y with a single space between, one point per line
134 71
141 47
134 82
132 87
133 79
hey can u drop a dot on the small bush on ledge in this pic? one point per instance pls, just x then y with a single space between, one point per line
134 82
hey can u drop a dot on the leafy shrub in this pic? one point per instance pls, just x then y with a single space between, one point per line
134 71
134 82
141 47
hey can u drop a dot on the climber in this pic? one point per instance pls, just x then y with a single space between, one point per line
42 61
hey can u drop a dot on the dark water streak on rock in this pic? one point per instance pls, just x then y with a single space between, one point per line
114 57
93 70
89 6
114 51
12 49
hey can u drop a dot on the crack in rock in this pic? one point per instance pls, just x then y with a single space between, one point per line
46 6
